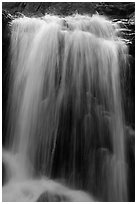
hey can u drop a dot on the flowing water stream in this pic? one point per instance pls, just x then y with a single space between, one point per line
65 113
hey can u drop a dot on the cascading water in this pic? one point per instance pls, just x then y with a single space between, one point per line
65 109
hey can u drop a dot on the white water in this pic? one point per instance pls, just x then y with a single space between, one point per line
65 108
23 189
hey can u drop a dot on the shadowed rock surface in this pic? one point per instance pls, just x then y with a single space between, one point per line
117 9
50 197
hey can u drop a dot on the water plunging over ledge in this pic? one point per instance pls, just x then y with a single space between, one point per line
65 113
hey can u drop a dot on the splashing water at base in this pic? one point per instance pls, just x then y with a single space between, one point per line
23 189
65 108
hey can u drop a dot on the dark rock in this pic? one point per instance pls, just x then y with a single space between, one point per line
66 8
130 155
52 197
4 178
6 19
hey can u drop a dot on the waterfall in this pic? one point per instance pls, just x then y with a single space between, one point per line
65 113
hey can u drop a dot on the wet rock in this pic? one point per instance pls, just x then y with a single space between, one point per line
4 178
52 197
6 19
130 155
67 8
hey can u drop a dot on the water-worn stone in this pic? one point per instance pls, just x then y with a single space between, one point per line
51 197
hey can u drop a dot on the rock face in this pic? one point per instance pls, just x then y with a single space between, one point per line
6 19
50 197
3 174
67 8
